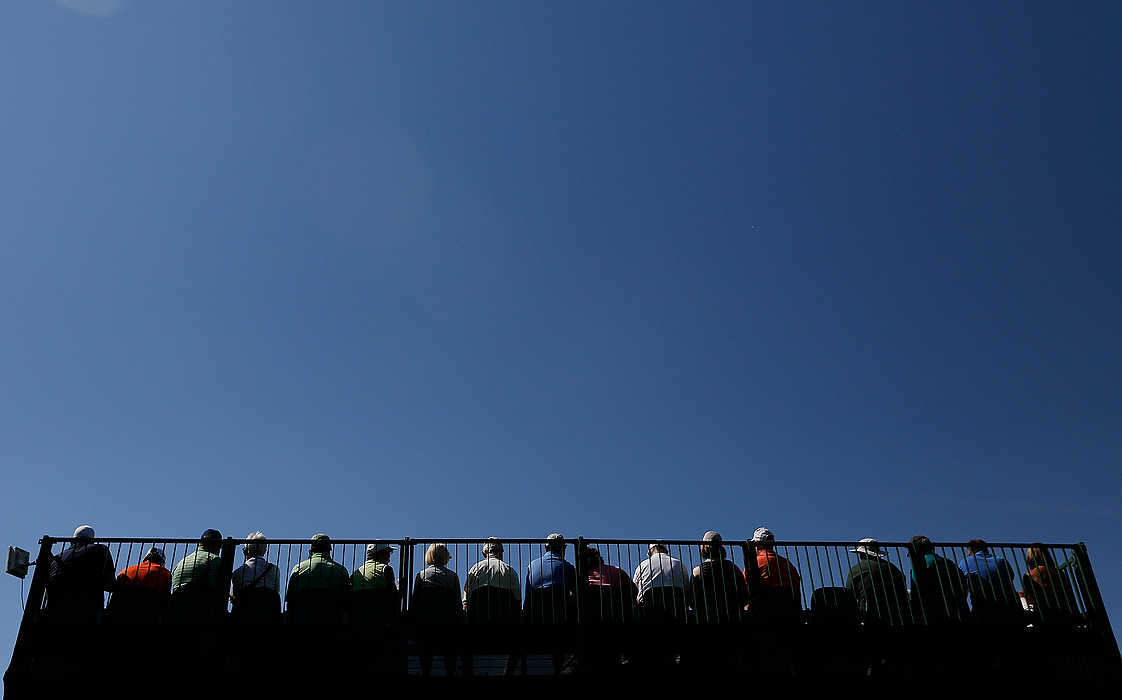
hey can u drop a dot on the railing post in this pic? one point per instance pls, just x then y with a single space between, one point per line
751 570
1097 611
32 612
226 570
38 582
406 561
582 576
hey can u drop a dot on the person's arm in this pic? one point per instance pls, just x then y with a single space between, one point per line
469 586
108 574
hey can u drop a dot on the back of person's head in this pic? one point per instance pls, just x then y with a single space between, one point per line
258 547
211 540
922 545
592 557
155 555
379 552
656 548
437 555
493 547
764 538
1038 555
555 543
321 544
712 549
84 534
977 546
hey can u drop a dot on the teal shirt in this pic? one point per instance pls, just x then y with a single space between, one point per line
199 569
318 573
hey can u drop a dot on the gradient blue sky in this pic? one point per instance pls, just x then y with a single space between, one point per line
614 269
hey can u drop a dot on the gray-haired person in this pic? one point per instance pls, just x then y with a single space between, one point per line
255 584
490 580
78 578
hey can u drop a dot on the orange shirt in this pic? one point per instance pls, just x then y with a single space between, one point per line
775 571
148 574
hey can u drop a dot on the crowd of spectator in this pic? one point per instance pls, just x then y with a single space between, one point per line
979 587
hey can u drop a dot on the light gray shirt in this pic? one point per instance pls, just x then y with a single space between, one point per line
658 571
245 575
438 576
495 573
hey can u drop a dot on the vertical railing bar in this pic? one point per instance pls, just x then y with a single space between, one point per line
905 604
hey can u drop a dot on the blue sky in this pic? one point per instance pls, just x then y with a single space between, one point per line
615 269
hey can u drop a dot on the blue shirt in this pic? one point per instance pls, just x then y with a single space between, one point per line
993 579
550 570
988 567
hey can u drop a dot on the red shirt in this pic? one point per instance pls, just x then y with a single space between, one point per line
148 574
775 571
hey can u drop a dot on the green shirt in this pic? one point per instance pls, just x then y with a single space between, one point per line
373 576
198 570
880 591
318 573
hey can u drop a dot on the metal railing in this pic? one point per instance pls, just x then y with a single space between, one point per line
621 581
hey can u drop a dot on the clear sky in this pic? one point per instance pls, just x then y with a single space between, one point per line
614 269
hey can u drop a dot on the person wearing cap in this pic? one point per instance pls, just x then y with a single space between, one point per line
199 569
149 573
375 597
493 573
142 591
77 579
777 589
717 586
318 587
492 595
376 572
666 574
878 585
938 590
990 582
550 572
195 593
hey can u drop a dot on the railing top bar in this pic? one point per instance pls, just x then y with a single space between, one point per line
236 540
822 543
542 541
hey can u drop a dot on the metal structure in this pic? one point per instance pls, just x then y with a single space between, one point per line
1048 594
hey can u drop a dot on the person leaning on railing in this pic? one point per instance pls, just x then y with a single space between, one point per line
374 591
662 587
718 588
142 591
492 591
777 593
255 585
435 605
938 592
77 579
609 591
319 589
990 581
550 584
878 585
1047 590
195 597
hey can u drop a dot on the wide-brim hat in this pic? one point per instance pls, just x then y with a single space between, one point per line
869 547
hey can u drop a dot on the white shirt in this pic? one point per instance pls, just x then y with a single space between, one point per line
661 570
493 572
